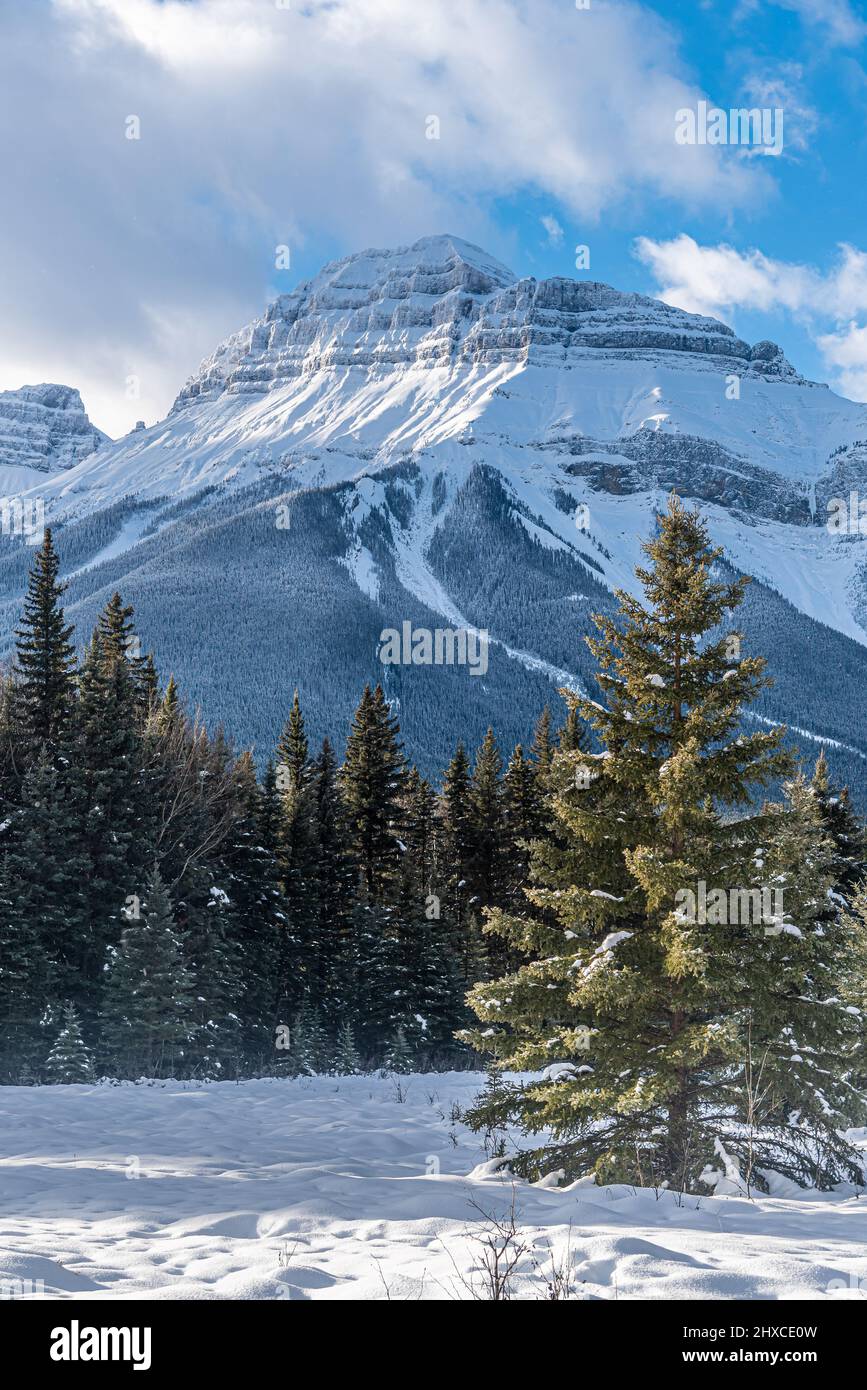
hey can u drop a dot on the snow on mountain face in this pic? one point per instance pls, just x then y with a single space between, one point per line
45 428
453 442
388 353
443 302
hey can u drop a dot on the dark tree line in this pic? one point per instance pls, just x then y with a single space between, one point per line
163 911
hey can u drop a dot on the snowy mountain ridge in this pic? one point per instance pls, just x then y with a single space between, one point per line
42 429
448 440
443 301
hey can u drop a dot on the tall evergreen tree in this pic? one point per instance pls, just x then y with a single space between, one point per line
45 657
147 687
649 1004
112 793
372 781
525 819
269 810
523 806
488 864
460 911
296 853
420 840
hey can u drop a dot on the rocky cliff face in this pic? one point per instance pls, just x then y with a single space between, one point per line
46 428
441 302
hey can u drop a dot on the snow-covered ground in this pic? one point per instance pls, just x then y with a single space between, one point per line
360 1188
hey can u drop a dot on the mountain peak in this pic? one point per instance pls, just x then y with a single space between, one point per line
441 302
45 427
433 264
49 394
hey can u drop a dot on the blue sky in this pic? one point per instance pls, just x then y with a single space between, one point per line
305 124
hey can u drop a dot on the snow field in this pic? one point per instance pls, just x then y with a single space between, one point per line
363 1188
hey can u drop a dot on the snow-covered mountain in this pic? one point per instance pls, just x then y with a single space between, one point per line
42 429
417 434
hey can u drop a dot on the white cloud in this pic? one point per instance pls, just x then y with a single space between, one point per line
837 18
553 228
847 351
782 88
719 280
305 126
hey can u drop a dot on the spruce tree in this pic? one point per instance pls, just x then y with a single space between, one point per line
523 817
847 834
803 1038
541 758
296 854
288 977
399 1053
69 1061
372 782
488 864
526 819
642 1000
459 910
490 869
114 809
346 1059
45 657
269 810
309 1048
542 748
119 640
148 687
47 879
169 711
422 851
572 737
147 1010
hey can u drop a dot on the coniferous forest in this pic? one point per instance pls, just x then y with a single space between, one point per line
171 908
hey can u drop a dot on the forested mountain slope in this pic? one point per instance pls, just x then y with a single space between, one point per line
419 436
